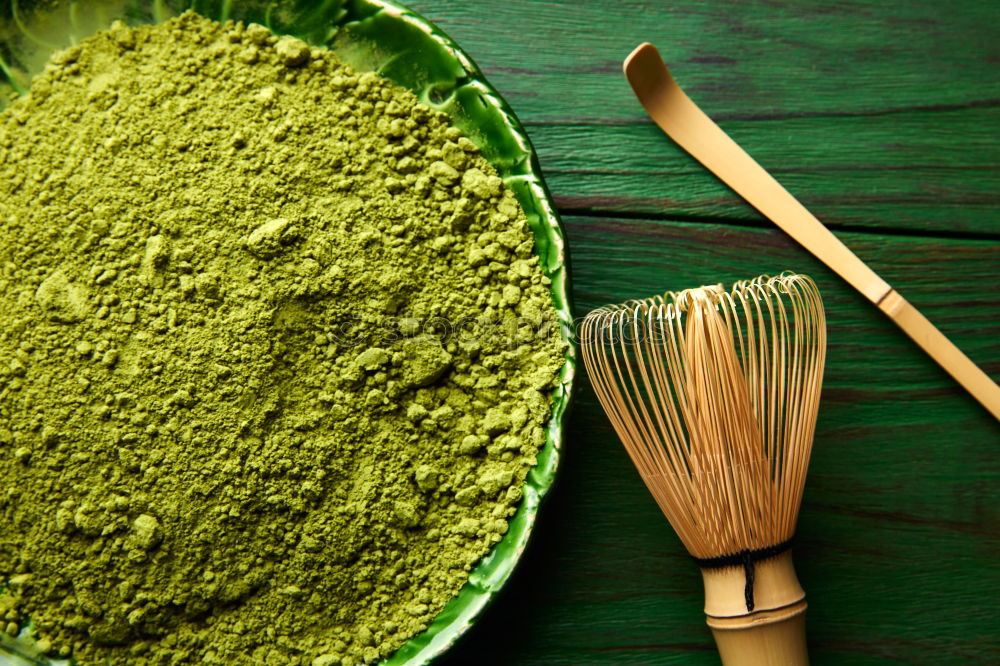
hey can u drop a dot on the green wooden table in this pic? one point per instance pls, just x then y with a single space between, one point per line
884 119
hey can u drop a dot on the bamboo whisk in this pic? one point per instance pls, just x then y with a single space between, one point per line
714 395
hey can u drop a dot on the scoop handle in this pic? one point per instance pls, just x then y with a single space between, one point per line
942 350
697 134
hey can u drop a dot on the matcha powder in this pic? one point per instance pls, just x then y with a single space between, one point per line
275 354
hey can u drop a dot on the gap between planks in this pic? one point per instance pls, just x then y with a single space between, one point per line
767 224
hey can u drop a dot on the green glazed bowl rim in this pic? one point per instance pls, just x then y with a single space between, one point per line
386 37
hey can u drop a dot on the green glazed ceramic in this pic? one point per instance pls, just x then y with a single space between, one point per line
371 35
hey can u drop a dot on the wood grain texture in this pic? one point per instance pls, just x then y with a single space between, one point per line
882 118
878 115
908 171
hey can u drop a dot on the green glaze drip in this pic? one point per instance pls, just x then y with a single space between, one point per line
275 353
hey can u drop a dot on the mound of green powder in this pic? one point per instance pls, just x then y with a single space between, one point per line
275 354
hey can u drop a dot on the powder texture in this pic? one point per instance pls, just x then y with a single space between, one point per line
255 405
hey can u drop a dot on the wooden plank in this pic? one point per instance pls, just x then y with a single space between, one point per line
900 526
876 115
907 171
807 57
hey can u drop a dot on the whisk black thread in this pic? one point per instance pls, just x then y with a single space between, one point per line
745 558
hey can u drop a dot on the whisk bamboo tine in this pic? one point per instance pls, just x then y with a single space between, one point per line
695 132
714 395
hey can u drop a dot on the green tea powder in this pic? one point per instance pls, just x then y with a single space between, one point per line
275 354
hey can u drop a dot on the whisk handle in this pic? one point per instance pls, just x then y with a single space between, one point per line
942 350
769 638
774 632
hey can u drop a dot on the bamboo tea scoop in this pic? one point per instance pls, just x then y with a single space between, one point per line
695 132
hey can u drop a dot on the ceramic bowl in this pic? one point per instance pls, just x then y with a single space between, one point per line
386 37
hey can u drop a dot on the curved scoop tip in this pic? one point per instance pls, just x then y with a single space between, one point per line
640 52
645 69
